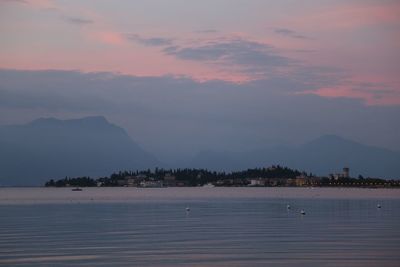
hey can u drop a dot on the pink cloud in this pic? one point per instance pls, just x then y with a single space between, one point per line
347 16
112 38
118 56
370 97
360 39
42 4
103 48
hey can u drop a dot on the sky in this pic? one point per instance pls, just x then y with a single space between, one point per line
183 76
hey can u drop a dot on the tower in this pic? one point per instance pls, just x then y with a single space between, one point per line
346 172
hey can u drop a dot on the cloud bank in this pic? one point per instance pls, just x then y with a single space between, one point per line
174 117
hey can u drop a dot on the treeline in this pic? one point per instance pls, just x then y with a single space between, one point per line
190 177
79 181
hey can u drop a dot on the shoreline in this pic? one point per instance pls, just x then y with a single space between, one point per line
42 195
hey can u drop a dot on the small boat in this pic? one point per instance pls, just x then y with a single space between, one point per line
303 212
76 189
288 207
379 206
187 209
209 185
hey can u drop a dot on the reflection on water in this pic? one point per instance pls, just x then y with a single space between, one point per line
233 230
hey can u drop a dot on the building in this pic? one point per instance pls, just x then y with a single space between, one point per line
344 175
301 180
151 184
131 181
257 182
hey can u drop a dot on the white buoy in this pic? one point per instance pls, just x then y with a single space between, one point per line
288 207
303 212
379 206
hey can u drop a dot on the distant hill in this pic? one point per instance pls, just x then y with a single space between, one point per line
49 148
324 155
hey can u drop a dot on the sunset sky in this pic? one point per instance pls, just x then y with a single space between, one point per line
270 71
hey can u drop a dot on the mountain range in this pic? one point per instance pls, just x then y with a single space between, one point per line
49 148
322 156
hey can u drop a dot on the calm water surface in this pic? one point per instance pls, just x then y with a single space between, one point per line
224 227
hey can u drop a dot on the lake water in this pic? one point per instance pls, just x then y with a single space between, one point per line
224 227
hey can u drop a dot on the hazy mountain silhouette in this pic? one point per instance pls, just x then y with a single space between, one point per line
50 148
321 156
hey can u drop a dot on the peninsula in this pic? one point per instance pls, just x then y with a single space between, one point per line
258 177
